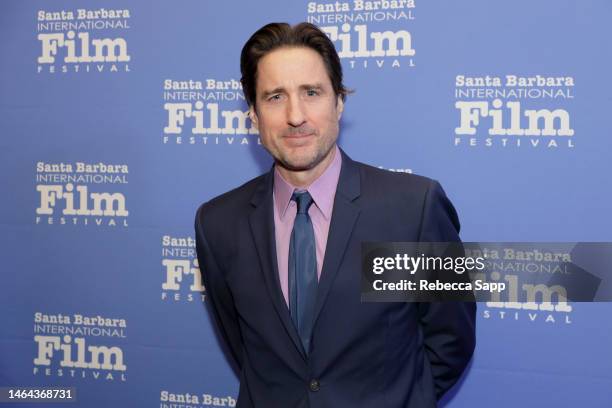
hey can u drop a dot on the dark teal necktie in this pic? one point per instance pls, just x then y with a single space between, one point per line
302 270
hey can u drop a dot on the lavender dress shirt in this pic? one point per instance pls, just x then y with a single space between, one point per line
322 191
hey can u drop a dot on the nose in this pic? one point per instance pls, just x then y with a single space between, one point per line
295 112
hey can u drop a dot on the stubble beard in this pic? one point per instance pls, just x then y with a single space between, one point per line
319 155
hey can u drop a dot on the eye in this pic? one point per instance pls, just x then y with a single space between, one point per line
312 92
274 98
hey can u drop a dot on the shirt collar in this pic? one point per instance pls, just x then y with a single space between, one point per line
322 190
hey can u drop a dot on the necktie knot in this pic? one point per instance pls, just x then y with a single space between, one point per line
303 200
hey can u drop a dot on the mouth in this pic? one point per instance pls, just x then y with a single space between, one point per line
299 135
298 140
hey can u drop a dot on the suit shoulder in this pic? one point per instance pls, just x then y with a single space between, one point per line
230 201
412 194
394 181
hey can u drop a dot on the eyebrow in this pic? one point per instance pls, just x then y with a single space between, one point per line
280 89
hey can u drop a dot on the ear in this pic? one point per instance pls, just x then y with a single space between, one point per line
253 116
339 106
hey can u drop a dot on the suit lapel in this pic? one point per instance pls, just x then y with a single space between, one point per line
344 216
261 221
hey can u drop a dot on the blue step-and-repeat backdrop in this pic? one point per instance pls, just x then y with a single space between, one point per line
117 119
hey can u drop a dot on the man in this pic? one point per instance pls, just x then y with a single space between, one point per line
280 255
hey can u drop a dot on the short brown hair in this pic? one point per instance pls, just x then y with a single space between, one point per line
276 35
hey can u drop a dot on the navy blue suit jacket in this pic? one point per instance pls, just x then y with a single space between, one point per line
363 354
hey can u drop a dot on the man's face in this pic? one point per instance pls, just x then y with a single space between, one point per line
297 112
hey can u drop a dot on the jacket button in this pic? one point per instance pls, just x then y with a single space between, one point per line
314 385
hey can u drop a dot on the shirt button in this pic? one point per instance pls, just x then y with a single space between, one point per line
314 385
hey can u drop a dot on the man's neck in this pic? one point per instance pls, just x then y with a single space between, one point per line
304 178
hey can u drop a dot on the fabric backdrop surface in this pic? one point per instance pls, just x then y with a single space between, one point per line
118 118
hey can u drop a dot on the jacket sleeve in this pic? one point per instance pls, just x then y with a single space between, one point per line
448 327
219 297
